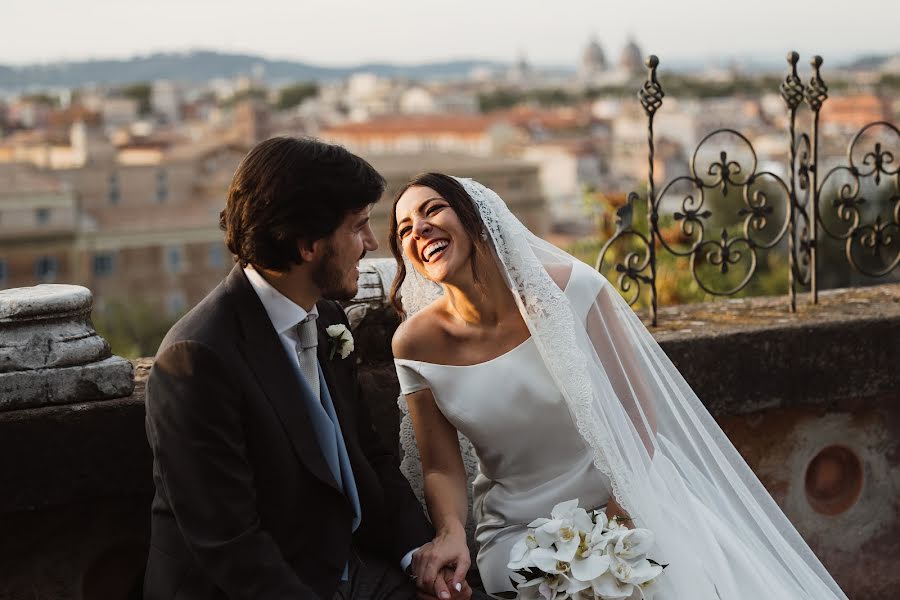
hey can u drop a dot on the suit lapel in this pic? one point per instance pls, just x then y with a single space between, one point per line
266 356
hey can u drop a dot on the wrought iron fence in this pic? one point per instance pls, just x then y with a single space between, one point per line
766 209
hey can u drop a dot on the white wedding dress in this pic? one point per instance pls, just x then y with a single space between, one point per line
590 407
530 454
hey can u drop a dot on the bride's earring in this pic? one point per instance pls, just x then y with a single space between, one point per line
484 235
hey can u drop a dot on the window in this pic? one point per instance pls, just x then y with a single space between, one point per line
162 186
103 264
45 269
175 304
216 256
174 259
114 193
3 274
42 216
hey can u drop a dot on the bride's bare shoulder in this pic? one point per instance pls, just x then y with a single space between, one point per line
416 337
560 273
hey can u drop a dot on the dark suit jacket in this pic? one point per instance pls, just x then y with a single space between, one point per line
245 504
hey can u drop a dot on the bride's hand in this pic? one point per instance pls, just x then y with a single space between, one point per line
614 509
447 550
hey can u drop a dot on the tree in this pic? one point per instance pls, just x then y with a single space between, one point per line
140 92
293 95
133 329
247 94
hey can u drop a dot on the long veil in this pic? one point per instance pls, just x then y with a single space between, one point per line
671 466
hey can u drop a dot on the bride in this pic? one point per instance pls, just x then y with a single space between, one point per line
563 393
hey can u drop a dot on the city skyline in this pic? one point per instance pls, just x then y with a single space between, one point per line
396 31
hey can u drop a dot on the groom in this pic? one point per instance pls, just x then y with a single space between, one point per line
271 481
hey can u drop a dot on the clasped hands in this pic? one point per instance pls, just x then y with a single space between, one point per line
439 568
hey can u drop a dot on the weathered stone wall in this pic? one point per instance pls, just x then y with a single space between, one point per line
811 400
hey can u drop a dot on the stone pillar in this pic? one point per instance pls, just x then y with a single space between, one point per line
50 353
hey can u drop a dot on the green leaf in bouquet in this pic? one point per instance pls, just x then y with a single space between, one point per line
531 575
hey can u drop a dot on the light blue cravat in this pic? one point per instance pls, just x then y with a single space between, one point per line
324 418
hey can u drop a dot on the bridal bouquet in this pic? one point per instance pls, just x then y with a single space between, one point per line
582 555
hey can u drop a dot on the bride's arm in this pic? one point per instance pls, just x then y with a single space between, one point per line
618 350
445 494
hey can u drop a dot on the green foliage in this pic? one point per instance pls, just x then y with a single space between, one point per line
140 92
506 98
498 100
675 282
133 329
42 98
890 82
247 94
293 95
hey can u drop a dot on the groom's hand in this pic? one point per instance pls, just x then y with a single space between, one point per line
464 593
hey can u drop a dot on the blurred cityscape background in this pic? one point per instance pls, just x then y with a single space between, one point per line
113 171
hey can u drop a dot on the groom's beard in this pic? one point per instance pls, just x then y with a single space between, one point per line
331 279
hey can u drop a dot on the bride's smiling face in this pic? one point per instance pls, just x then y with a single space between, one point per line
431 234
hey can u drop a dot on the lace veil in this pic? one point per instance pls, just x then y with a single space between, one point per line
671 466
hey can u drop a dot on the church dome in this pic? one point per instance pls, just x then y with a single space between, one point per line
632 59
593 59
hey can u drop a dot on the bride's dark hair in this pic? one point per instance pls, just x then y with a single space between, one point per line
459 200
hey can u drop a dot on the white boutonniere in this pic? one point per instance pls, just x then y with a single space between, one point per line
340 341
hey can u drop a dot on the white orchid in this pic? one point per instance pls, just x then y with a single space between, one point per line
555 587
634 572
564 516
608 587
590 567
633 543
520 555
591 560
585 556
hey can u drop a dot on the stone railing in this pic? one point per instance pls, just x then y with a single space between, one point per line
810 400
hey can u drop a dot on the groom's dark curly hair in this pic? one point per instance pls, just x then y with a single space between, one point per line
289 190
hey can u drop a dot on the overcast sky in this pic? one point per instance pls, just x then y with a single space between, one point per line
332 32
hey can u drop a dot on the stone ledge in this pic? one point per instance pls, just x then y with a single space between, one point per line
109 378
734 316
